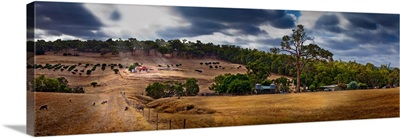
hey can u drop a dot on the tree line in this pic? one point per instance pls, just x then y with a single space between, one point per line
158 90
45 84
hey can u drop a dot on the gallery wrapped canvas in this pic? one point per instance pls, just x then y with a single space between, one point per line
101 68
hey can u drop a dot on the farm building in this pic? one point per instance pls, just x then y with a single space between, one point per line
139 69
265 89
330 87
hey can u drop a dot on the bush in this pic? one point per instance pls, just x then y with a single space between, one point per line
266 82
192 88
155 90
88 72
312 87
94 84
352 85
116 71
342 86
131 67
239 87
44 84
78 89
362 85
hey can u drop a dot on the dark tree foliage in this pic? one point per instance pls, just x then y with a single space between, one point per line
44 84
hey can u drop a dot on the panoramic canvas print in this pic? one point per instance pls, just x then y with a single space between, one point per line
100 68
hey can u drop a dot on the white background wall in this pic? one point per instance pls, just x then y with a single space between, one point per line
12 99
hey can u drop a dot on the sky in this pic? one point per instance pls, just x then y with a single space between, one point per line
364 37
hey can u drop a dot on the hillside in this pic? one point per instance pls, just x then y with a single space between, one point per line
134 82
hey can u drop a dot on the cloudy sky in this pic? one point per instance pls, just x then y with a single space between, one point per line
349 36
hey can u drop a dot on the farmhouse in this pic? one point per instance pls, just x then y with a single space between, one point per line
265 89
139 69
330 87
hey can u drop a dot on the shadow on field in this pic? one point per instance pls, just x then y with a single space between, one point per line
18 128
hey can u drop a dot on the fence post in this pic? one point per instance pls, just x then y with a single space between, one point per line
148 117
170 124
184 123
157 122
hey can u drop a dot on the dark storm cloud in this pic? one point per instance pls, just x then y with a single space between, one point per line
67 18
328 22
205 21
371 21
376 33
285 22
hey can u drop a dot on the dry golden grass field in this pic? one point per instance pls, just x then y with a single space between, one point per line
80 116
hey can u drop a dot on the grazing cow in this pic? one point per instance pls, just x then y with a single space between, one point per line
104 102
126 108
94 104
43 107
70 100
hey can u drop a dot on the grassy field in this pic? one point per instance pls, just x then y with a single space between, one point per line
79 116
279 108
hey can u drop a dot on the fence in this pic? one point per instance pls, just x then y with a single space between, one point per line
162 122
154 118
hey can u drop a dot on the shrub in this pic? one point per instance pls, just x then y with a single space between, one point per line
239 87
266 82
88 72
116 71
78 89
189 107
155 90
352 85
132 67
94 84
312 87
362 85
44 84
342 86
192 88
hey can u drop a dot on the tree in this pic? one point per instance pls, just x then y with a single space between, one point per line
94 84
352 85
239 87
192 88
218 81
155 90
302 53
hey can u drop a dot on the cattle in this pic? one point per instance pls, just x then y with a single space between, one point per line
43 107
104 102
70 100
94 104
126 108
